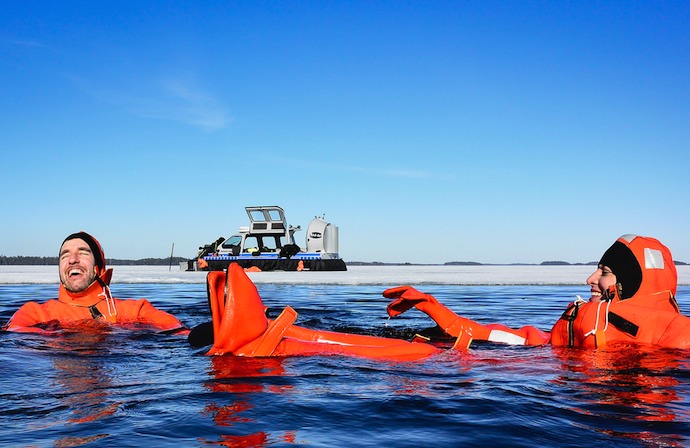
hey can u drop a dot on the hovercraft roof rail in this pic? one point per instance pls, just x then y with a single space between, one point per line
268 220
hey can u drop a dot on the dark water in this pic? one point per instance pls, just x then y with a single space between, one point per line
142 389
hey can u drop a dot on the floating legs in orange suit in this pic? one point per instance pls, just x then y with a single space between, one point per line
240 328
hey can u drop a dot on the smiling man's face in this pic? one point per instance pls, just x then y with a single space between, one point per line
77 265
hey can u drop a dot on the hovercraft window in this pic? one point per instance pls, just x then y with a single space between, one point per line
234 240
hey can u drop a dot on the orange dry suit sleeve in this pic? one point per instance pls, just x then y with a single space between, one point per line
28 316
143 312
406 297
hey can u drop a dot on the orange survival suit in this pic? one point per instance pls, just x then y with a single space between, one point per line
93 304
240 328
641 308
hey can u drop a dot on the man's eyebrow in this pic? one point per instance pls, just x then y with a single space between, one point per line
85 247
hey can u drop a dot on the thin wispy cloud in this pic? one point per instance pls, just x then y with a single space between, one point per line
194 106
171 100
29 43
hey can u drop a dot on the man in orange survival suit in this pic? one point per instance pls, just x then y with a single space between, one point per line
633 301
84 295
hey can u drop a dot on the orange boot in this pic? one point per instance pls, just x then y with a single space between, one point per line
236 309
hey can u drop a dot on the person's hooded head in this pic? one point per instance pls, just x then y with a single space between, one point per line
642 266
81 262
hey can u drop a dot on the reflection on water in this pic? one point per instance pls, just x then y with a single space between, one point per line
238 377
629 385
118 388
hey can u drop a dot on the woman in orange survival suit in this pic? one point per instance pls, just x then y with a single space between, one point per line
633 301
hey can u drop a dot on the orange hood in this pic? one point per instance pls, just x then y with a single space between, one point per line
642 266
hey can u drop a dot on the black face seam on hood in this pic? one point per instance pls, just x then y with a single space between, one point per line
625 266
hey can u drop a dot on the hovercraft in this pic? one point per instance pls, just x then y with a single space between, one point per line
268 244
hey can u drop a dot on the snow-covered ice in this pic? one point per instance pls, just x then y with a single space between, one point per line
364 275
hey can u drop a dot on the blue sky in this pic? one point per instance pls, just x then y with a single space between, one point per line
430 131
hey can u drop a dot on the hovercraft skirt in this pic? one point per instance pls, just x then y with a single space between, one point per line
280 264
